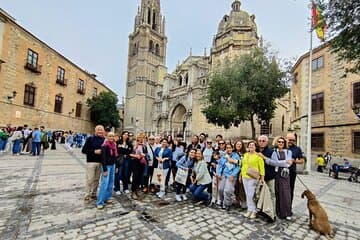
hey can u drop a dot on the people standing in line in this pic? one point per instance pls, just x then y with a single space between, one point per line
163 156
44 139
125 148
320 162
186 163
26 133
36 142
53 141
4 136
138 162
16 138
266 152
200 178
92 149
150 147
108 159
240 195
298 156
69 141
171 145
251 160
282 159
227 172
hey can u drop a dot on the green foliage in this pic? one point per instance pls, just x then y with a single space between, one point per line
103 109
342 18
244 88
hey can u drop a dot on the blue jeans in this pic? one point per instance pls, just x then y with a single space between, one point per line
125 173
2 144
107 184
198 192
36 147
16 146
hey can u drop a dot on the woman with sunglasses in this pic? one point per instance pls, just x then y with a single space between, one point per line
282 159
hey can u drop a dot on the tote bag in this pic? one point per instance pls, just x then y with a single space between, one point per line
181 176
158 177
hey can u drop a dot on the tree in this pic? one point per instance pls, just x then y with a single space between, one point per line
103 109
243 89
343 21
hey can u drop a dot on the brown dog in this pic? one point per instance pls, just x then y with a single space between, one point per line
320 223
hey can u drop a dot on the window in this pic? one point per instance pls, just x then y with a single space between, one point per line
29 95
95 92
32 58
151 46
58 103
149 16
157 49
356 142
186 79
317 141
317 102
356 93
78 110
265 128
180 81
81 89
60 74
317 63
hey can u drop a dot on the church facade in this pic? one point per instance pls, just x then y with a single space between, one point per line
159 102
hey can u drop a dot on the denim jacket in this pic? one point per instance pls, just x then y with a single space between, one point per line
227 169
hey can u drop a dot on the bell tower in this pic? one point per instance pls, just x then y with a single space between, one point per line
146 65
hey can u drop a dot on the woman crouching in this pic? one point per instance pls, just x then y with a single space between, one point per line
200 179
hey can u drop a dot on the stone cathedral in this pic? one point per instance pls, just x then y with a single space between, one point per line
169 103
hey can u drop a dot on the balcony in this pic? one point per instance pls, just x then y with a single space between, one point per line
81 91
62 82
33 68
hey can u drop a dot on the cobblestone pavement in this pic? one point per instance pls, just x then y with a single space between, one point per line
42 198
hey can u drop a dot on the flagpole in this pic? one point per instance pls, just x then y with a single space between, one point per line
308 146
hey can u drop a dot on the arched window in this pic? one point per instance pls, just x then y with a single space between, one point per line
186 79
180 80
151 46
149 16
157 49
134 51
282 123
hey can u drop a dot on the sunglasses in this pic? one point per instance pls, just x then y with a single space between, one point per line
151 138
281 142
222 143
209 142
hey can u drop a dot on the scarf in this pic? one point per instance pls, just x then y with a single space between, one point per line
112 147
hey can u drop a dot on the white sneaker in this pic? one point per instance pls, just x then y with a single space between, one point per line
126 191
118 193
158 193
178 198
184 197
161 194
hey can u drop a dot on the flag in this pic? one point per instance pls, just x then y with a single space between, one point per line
318 22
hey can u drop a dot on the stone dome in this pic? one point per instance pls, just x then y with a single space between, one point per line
236 19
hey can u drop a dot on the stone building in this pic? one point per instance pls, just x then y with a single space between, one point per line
39 86
170 103
335 102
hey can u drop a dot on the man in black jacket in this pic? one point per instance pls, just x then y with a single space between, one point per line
92 149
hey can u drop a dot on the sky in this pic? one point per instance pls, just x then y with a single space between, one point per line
94 34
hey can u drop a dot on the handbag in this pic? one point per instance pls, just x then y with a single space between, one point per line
181 176
252 172
158 177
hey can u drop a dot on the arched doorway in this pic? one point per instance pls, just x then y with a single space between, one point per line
178 119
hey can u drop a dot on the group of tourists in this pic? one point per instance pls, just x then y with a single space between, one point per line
248 174
25 140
